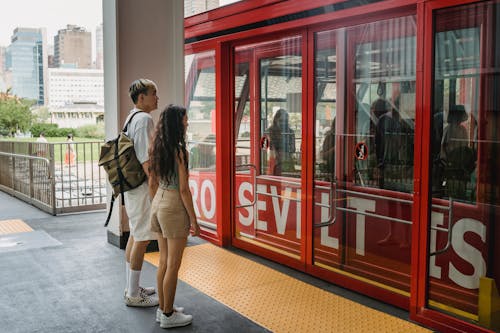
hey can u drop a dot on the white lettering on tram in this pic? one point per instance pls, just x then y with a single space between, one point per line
245 187
280 215
208 185
194 193
261 206
327 240
362 205
436 220
467 252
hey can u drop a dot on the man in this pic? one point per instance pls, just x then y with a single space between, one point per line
137 201
41 144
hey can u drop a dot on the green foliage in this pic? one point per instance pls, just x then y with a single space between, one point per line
15 115
50 130
40 114
91 131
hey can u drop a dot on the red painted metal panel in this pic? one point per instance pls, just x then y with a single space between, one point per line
419 271
419 222
225 11
341 18
309 100
224 145
446 324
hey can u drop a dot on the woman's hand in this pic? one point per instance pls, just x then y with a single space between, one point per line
195 228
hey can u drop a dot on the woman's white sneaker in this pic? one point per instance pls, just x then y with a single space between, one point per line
177 319
159 312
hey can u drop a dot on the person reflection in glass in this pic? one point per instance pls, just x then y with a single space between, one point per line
436 139
458 158
281 145
328 152
387 143
389 149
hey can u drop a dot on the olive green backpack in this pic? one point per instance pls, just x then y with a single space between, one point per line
119 161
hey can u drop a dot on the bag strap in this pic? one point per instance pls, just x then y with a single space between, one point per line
110 210
125 128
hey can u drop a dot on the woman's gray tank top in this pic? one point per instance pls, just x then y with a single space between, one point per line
174 180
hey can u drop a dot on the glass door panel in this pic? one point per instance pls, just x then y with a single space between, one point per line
268 123
201 136
464 274
364 153
326 230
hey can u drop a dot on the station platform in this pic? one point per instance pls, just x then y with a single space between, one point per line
59 274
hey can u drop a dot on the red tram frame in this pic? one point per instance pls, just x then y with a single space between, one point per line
206 26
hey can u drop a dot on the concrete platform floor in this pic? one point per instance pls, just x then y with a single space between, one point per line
77 285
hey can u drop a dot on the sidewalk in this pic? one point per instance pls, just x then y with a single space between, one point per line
76 284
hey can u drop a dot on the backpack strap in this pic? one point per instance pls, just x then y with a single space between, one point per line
125 128
110 210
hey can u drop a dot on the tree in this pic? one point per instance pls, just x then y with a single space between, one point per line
15 114
40 114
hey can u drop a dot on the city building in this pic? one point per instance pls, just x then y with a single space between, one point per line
68 86
2 59
76 115
26 61
50 55
73 48
99 59
193 7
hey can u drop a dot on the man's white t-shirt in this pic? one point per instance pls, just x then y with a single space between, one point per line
140 131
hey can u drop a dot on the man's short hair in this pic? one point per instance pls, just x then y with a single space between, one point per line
140 86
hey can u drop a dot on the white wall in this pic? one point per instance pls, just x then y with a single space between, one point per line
142 39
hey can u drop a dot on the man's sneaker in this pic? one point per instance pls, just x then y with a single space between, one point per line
147 291
177 319
142 301
159 312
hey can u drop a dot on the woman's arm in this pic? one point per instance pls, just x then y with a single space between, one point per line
185 192
153 185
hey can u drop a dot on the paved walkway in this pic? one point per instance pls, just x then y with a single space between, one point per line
76 283
66 277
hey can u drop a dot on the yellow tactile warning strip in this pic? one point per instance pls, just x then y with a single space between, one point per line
275 300
13 226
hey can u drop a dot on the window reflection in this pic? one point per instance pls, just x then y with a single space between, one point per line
200 84
325 111
385 104
281 113
454 135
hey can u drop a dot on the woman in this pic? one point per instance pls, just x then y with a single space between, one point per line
69 157
282 144
172 212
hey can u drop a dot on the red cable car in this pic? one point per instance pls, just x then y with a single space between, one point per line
355 141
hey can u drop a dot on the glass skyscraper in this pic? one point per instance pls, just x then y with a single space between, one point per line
26 61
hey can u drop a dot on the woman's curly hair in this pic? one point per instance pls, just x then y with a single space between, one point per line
168 143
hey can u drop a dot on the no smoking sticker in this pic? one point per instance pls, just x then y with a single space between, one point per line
361 151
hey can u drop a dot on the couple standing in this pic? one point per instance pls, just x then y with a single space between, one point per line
170 216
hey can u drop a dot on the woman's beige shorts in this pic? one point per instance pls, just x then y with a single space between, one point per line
168 214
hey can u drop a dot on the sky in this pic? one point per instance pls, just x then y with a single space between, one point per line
50 14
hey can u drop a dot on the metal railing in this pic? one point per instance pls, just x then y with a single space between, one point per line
55 177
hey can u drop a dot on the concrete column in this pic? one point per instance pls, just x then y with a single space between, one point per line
142 39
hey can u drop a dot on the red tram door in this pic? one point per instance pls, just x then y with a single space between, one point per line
268 140
364 135
353 217
463 273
